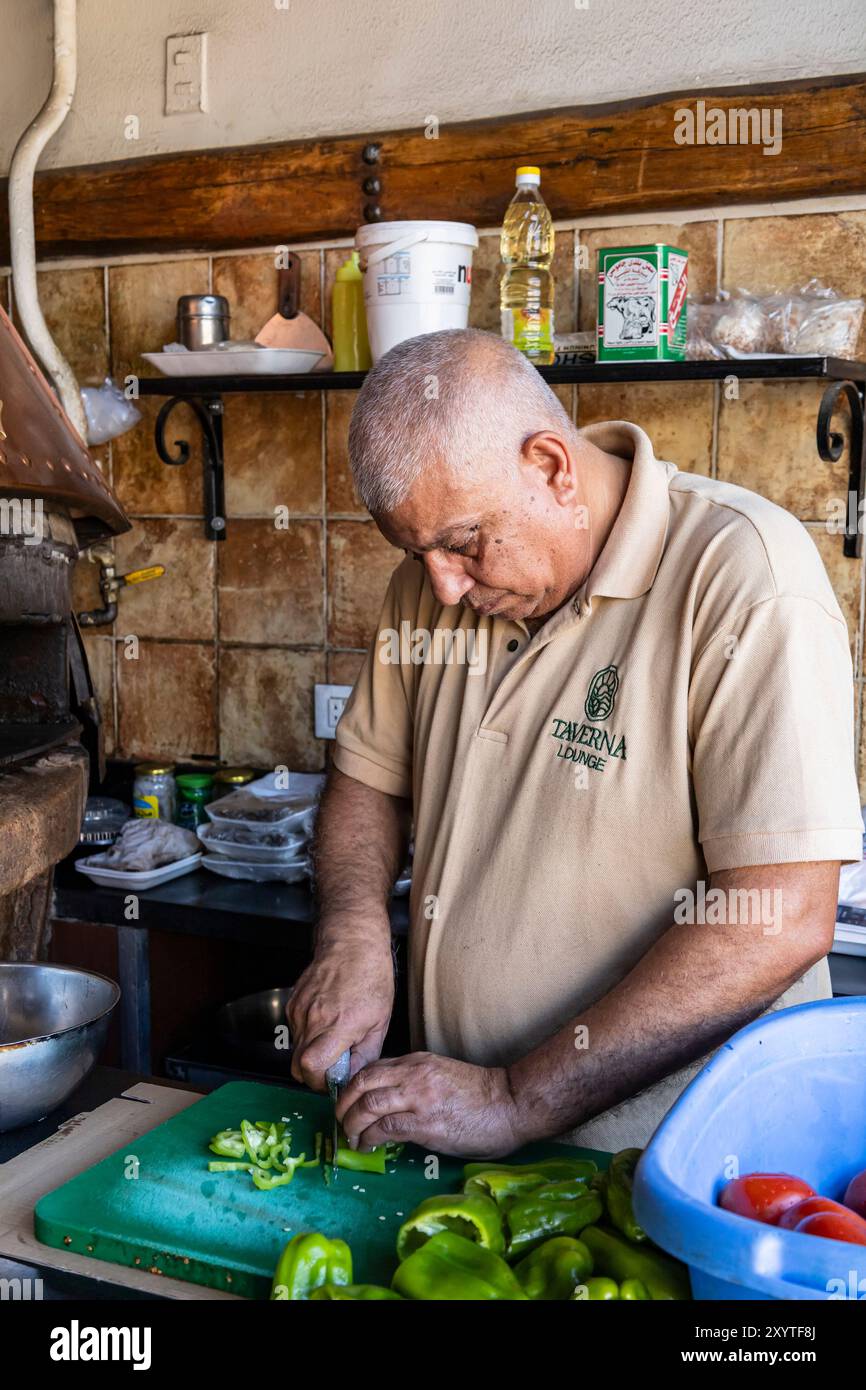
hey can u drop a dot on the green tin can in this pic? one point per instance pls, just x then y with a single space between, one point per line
642 300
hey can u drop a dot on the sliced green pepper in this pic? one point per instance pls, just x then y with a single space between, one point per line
264 1181
450 1268
307 1263
619 1194
229 1143
554 1269
230 1166
612 1254
355 1293
469 1214
556 1209
357 1162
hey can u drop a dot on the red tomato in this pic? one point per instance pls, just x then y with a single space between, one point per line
812 1206
834 1227
763 1196
855 1194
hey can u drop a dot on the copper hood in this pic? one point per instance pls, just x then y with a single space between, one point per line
41 454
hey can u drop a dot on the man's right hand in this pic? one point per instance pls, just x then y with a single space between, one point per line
343 1000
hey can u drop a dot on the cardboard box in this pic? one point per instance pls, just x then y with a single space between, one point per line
642 299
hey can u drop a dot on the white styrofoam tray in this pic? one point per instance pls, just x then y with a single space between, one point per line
140 878
244 362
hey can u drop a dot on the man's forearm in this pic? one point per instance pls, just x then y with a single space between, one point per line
358 849
691 990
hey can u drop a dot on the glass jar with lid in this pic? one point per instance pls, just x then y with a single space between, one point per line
154 794
228 778
194 791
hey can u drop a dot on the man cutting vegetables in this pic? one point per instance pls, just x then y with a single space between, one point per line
629 769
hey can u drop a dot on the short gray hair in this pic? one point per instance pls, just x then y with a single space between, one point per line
459 400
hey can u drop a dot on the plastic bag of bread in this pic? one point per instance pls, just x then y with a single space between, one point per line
819 322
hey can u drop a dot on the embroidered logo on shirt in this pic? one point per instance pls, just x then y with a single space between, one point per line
582 744
601 694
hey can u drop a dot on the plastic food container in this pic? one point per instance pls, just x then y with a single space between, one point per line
251 845
245 808
787 1094
257 873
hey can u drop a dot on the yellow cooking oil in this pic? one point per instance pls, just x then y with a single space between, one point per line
526 285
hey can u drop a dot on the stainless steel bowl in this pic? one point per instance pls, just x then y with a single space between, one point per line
248 1026
53 1022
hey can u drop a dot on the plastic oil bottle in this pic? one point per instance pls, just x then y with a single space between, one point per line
526 287
351 344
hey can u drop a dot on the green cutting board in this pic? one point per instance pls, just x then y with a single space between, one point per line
154 1205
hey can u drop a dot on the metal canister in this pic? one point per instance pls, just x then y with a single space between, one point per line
202 320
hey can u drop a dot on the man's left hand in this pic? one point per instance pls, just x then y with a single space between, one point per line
448 1106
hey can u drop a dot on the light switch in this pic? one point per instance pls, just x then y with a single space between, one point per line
185 73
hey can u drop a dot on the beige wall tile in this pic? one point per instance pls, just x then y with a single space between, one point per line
143 308
344 667
100 660
181 603
142 481
266 707
768 253
677 417
861 761
273 453
249 283
271 583
700 239
484 303
167 701
846 576
73 302
767 443
360 563
341 495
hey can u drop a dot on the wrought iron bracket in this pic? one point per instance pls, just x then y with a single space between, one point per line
831 445
208 410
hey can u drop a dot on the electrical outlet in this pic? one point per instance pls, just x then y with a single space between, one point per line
329 702
185 73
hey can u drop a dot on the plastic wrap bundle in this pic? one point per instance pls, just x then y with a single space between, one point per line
814 321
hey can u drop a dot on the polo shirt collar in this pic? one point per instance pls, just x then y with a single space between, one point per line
627 566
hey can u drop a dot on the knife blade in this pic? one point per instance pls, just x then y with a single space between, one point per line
337 1078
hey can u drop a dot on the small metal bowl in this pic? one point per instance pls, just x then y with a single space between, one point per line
53 1022
248 1026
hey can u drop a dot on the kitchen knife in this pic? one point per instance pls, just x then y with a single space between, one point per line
337 1078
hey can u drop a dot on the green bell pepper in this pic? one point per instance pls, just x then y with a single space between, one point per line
502 1181
354 1293
556 1209
619 1194
604 1290
449 1268
554 1269
612 1255
264 1181
307 1263
469 1214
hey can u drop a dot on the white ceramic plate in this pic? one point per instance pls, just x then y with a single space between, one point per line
142 878
244 362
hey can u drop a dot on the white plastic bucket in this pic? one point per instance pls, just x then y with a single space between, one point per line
417 279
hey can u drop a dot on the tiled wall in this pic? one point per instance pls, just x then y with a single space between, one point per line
232 640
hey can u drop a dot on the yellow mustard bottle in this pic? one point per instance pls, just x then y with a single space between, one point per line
351 344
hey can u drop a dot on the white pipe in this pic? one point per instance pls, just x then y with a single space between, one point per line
21 224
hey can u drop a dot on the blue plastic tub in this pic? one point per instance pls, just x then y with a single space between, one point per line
787 1094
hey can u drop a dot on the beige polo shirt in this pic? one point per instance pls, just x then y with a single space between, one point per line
690 710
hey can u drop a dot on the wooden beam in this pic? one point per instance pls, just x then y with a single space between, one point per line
615 158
